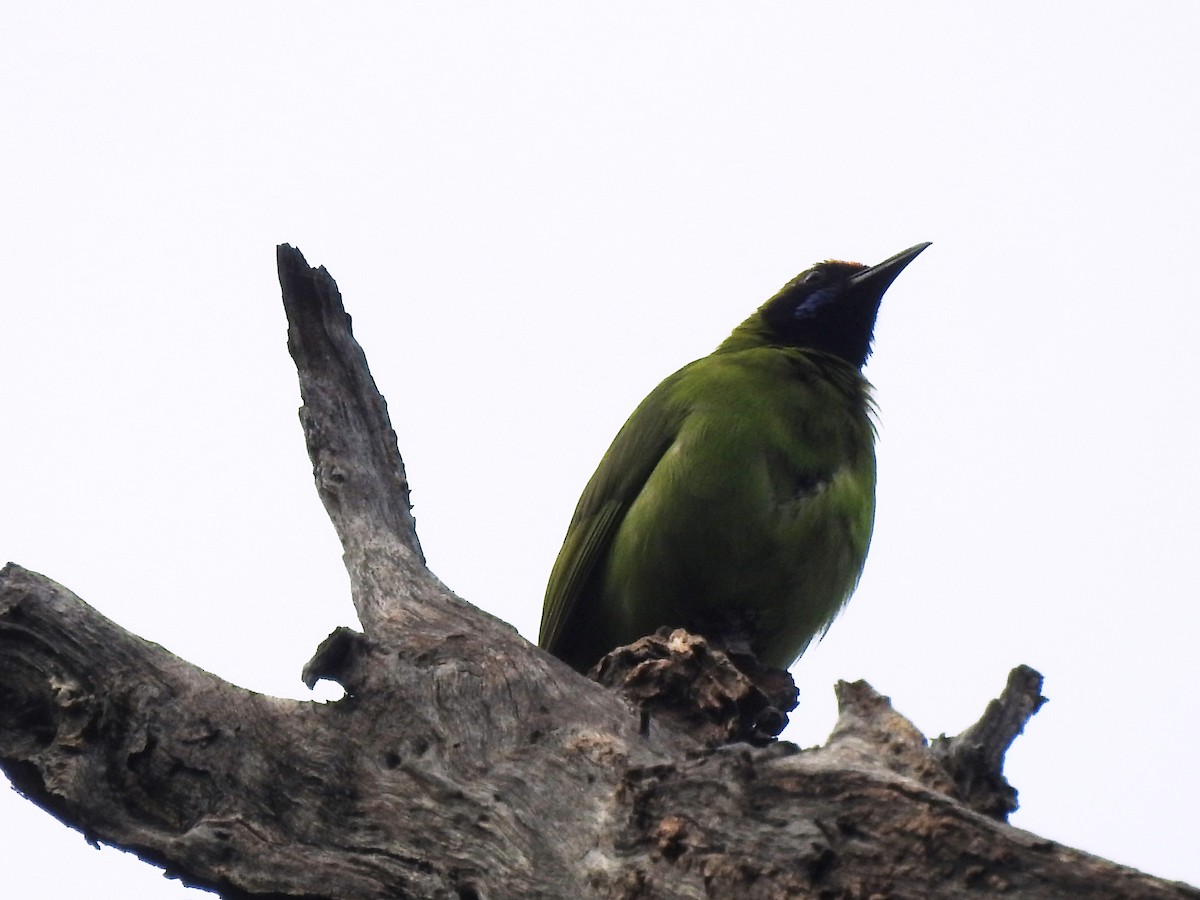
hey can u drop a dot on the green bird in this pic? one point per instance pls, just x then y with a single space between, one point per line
738 499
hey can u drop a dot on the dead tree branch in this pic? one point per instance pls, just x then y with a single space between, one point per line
465 763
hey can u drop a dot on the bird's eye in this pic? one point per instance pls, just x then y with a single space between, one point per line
813 277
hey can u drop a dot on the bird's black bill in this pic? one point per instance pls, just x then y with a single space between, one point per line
879 277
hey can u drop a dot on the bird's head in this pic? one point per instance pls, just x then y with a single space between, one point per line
830 308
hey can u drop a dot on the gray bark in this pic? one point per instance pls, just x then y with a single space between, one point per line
466 763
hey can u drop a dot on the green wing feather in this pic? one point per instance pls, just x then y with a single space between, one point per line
616 483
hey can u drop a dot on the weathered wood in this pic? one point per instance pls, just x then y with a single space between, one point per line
716 696
975 758
464 762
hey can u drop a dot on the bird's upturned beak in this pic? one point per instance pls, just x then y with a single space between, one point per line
879 278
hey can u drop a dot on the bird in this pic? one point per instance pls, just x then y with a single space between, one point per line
738 500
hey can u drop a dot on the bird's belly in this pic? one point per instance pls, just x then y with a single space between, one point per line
768 551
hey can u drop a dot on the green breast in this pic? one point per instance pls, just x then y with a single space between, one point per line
757 517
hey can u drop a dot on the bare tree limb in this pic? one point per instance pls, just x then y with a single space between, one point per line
356 464
975 758
465 763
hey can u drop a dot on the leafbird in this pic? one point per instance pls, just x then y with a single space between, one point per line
738 499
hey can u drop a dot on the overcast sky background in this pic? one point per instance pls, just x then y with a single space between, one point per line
537 211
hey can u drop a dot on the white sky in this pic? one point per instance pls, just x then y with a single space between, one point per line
537 211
